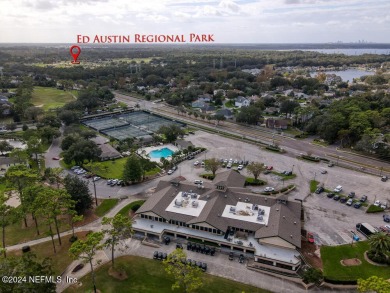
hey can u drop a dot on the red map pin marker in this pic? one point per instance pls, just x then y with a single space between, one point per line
76 54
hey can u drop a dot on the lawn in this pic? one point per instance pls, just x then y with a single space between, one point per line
50 97
333 270
148 276
313 185
61 259
17 233
109 169
105 206
125 210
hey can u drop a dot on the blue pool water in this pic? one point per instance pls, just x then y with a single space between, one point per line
161 153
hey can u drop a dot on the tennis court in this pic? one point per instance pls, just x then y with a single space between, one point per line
138 124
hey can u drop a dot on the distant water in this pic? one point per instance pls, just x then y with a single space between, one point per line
347 75
351 52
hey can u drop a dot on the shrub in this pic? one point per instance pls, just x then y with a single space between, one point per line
73 239
207 176
374 209
135 207
25 127
253 182
378 258
310 158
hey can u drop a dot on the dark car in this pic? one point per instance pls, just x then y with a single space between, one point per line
212 251
231 256
364 198
164 256
319 190
199 264
179 246
351 194
241 258
26 248
330 195
384 178
207 250
343 199
77 268
357 205
167 240
155 255
204 266
189 246
386 218
160 255
198 248
193 263
336 197
203 249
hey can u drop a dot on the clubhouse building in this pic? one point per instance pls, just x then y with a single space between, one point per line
225 214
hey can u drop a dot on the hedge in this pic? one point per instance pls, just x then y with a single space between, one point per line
374 209
253 182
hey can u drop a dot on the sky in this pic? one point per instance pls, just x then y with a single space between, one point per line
229 21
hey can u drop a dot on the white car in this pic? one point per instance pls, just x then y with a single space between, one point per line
240 167
377 203
170 172
75 167
383 205
196 163
269 189
338 188
96 178
202 164
198 182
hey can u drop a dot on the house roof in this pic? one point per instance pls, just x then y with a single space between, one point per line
224 112
8 160
283 216
183 143
241 99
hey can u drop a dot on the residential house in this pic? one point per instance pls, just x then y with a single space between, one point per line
183 144
277 123
224 213
198 104
271 110
241 102
225 112
6 162
205 98
108 151
215 92
207 109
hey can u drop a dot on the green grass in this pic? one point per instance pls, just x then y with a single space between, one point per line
125 210
334 270
148 276
152 172
313 185
374 209
254 182
105 206
229 104
108 169
59 260
50 97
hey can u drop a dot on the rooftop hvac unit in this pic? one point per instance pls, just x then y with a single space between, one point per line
255 207
178 202
232 209
260 218
194 195
184 194
195 204
262 212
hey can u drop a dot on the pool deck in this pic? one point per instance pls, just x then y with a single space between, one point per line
145 151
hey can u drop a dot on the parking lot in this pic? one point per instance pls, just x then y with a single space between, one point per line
331 222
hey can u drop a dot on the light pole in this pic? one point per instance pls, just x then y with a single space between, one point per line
315 174
380 174
292 170
337 163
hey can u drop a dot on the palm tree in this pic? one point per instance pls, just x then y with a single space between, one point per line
379 243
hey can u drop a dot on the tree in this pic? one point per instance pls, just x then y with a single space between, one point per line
119 227
34 147
250 115
186 276
312 275
49 133
20 177
33 203
171 132
7 217
256 169
75 218
68 141
212 165
27 266
68 116
219 117
373 284
55 175
133 169
379 243
288 106
32 113
82 150
79 193
5 147
86 250
20 155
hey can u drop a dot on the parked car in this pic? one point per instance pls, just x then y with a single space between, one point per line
319 190
324 172
384 178
267 189
198 182
383 205
155 254
196 163
338 188
310 237
363 198
202 164
56 158
336 197
270 167
349 202
160 256
167 240
96 178
164 255
357 205
174 168
231 256
386 218
330 164
343 199
330 195
189 245
170 172
179 246
75 167
229 165
204 266
241 258
78 267
240 167
351 194
377 203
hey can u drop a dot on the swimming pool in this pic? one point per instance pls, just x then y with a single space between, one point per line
161 153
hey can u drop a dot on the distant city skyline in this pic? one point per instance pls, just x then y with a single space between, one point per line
239 21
